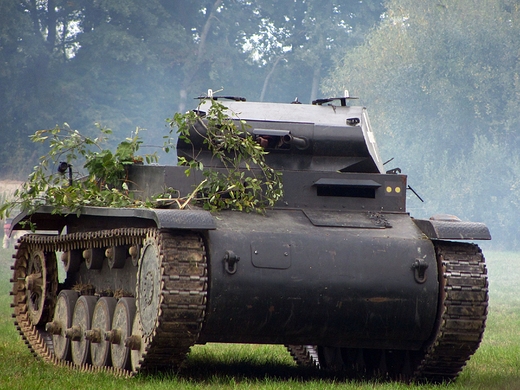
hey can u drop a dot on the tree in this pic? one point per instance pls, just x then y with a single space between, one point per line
128 64
298 41
442 81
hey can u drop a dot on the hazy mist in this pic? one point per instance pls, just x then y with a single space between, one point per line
441 81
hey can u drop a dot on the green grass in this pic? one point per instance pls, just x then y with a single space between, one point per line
496 365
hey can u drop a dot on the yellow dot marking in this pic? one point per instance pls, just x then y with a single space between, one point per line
388 189
397 190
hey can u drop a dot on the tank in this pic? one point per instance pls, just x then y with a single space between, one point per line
337 271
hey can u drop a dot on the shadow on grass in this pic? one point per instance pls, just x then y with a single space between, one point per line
243 370
210 371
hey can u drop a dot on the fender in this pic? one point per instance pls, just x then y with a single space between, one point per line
108 218
453 229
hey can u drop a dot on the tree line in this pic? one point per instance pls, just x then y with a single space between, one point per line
128 63
440 79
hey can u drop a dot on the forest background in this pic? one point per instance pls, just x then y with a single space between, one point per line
441 80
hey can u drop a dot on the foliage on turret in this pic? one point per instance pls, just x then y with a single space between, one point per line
240 187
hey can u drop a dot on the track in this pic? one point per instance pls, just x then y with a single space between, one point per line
179 292
461 321
304 355
463 311
171 295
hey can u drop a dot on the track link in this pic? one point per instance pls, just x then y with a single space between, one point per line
182 296
304 355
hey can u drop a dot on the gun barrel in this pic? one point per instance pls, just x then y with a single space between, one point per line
300 143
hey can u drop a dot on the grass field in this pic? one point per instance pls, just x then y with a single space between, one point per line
496 365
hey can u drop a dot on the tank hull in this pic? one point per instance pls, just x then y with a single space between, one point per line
336 269
296 283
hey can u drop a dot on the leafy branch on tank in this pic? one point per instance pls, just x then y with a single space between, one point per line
106 183
246 183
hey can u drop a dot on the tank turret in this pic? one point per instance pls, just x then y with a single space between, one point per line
300 136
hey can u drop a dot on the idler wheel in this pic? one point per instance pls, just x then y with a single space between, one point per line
122 323
149 285
101 324
35 285
81 322
62 321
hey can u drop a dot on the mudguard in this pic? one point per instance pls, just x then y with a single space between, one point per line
453 230
104 217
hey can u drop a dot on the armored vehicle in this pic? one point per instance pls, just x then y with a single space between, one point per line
337 270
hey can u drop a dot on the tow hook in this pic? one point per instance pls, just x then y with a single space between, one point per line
419 266
230 262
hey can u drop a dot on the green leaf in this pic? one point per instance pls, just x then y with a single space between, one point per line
232 145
